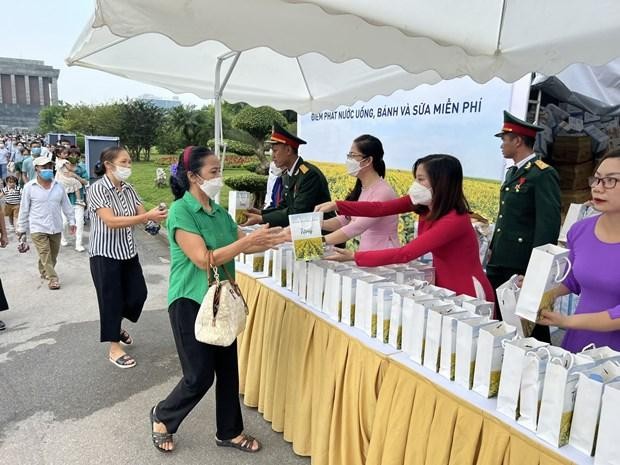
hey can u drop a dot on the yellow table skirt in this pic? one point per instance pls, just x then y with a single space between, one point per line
342 403
313 382
418 422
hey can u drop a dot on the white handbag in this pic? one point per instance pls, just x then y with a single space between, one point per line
223 311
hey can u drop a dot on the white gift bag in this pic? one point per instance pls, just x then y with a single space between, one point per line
489 357
349 285
558 397
507 297
279 264
364 302
479 307
432 346
533 381
300 279
396 314
384 309
547 268
371 314
588 404
447 352
412 336
332 303
307 236
466 346
288 266
239 202
607 443
600 353
512 371
414 325
268 263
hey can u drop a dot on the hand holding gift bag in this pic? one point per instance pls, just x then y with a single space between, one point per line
548 267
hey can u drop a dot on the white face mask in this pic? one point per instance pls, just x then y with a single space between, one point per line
212 187
274 170
353 166
420 195
122 173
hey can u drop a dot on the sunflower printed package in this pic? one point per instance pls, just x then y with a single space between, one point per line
307 236
489 357
239 202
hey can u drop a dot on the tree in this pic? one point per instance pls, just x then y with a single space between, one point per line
140 123
101 120
257 122
195 125
50 118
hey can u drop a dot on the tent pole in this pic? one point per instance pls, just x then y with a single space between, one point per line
217 93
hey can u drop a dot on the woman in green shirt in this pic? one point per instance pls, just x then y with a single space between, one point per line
196 226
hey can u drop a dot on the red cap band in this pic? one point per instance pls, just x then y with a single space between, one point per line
282 139
519 130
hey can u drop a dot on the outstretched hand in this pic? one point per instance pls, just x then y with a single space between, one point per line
326 207
340 255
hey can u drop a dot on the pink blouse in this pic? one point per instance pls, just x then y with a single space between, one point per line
376 233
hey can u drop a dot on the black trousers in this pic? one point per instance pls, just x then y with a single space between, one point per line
498 276
4 305
201 363
121 293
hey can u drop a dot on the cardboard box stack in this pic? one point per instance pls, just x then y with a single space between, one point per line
573 159
572 141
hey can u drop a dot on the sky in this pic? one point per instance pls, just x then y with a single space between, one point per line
47 30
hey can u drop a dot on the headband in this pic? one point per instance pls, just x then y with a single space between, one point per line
186 154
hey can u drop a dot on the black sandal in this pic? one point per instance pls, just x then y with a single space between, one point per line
159 439
124 361
125 338
245 444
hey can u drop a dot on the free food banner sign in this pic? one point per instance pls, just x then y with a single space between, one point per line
458 117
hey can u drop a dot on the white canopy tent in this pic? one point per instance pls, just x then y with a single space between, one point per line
314 55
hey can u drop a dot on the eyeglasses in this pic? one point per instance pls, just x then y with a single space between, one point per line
608 183
352 155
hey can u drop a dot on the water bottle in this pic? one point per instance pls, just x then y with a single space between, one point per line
151 226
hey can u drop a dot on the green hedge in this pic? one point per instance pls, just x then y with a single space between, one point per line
247 182
251 166
236 147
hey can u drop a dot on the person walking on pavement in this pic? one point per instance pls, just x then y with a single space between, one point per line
529 210
304 184
114 264
78 207
201 233
40 212
4 240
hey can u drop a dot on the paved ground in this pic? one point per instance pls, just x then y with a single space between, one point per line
62 402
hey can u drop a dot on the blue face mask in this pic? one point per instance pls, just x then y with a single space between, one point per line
46 174
36 151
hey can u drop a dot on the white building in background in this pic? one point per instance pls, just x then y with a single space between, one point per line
161 102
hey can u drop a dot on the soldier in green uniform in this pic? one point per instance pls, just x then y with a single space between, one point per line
529 210
304 184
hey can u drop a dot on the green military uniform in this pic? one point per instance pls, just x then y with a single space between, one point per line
529 215
302 191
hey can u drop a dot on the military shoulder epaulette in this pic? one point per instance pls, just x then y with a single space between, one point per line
541 164
303 168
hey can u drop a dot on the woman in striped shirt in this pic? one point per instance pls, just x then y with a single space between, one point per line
114 264
12 194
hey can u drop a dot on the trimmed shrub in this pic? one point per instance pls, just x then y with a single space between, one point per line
235 146
247 182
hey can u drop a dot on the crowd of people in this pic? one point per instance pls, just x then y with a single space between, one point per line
202 236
